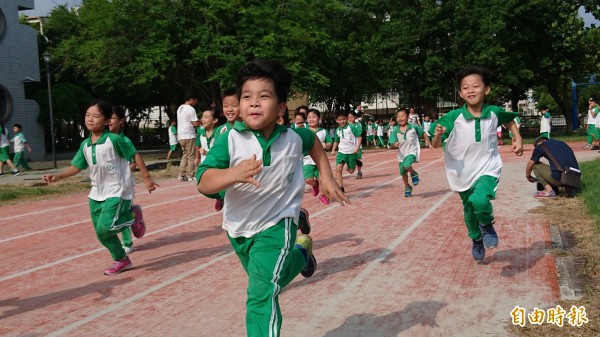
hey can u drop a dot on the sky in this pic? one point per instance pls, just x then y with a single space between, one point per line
43 7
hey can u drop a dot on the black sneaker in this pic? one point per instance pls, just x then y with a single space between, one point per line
305 244
489 235
303 223
595 147
478 250
359 175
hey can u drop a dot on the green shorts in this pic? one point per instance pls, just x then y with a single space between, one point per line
596 133
406 163
114 213
349 159
4 153
173 147
370 138
310 171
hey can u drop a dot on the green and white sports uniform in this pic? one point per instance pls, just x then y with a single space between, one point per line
205 142
19 145
108 161
310 168
591 125
545 125
518 122
360 129
4 146
173 138
409 148
473 163
347 138
261 220
369 134
596 126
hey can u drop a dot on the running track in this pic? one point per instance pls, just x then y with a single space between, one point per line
388 265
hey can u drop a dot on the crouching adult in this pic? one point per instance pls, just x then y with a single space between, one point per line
548 176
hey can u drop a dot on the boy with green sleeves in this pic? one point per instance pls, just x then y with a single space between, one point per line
472 160
259 164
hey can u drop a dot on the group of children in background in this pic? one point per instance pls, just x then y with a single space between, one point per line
20 144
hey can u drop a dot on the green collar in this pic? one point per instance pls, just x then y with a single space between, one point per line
264 144
100 140
485 113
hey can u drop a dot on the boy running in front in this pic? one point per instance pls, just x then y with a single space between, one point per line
473 163
259 163
405 137
347 139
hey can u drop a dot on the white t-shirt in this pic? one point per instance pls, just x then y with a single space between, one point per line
3 140
347 138
545 123
172 135
323 137
19 142
186 114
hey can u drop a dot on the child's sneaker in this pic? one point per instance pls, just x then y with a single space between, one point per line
191 178
219 204
415 178
182 178
315 189
359 175
489 236
478 250
139 225
129 250
305 243
408 191
324 200
15 172
119 266
303 223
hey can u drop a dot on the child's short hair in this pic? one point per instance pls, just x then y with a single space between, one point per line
315 111
301 114
119 111
229 92
191 94
402 109
266 69
341 113
104 107
302 107
351 112
18 126
482 71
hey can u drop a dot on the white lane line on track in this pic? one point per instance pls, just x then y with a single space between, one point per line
350 287
73 257
74 205
227 254
138 296
88 220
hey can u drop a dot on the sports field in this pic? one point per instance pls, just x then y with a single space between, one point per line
387 265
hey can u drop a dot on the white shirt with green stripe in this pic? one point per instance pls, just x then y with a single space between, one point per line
471 144
252 209
19 142
108 160
322 136
408 142
346 138
205 142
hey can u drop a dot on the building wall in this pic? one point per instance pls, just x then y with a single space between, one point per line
18 62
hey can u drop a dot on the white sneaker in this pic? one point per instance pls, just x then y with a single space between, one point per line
129 250
191 178
182 178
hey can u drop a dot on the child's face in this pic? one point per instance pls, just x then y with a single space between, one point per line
259 106
208 120
401 117
341 120
16 129
472 90
280 120
426 118
351 119
115 124
95 120
299 120
231 108
313 120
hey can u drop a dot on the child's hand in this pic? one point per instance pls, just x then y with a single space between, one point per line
150 184
517 147
49 178
333 153
439 130
247 169
196 162
332 191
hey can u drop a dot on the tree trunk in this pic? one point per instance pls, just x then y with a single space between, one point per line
559 93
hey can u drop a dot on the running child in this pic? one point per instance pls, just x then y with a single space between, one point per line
311 173
405 137
473 162
172 138
4 157
390 130
426 126
545 121
20 143
356 124
370 134
108 155
205 141
116 125
258 163
346 140
379 131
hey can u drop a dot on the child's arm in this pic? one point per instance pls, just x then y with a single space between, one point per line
329 186
198 153
517 146
28 147
214 180
359 142
437 136
334 148
68 172
150 184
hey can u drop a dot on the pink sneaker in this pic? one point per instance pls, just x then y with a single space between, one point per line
219 205
315 189
324 200
139 226
119 266
544 194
